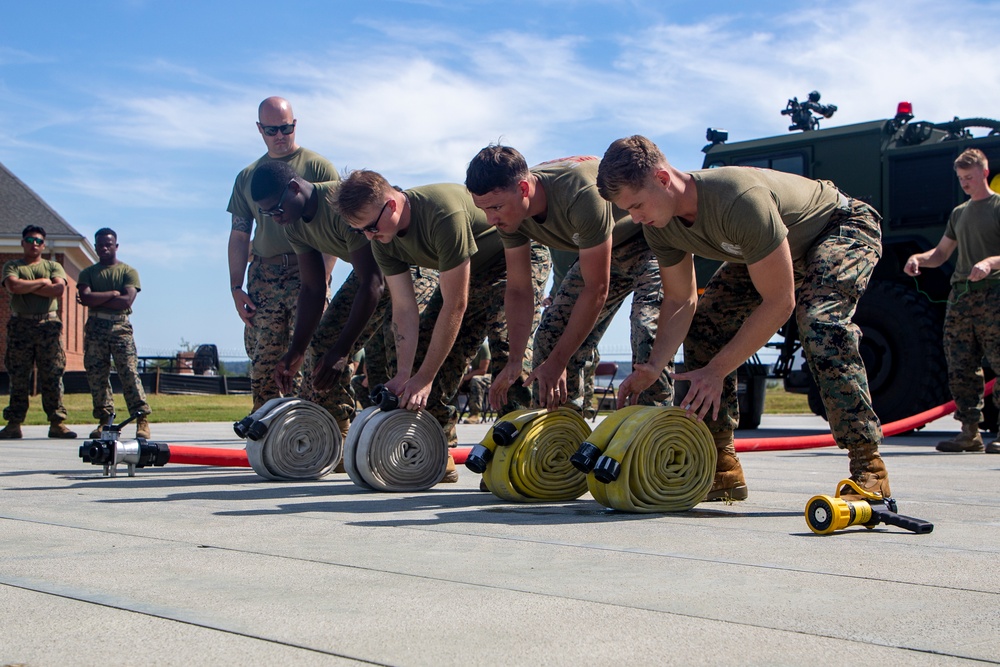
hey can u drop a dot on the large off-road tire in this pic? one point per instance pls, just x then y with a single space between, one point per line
991 415
902 350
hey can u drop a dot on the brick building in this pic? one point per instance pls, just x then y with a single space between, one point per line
22 207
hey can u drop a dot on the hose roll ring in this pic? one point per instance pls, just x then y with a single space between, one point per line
301 442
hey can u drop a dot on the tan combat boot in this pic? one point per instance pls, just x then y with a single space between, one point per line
969 440
142 427
450 472
96 433
59 430
729 483
345 426
451 433
12 431
474 419
868 471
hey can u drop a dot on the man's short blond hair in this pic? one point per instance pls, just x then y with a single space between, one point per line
361 189
971 157
628 162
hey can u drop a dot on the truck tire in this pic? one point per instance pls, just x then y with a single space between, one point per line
902 350
990 412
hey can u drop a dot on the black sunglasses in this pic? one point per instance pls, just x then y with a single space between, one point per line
372 228
33 240
277 210
271 130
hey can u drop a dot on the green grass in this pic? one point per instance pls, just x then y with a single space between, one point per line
166 408
213 408
777 401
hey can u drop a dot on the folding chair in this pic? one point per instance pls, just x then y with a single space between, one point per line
605 369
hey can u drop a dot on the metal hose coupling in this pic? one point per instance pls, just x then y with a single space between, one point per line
292 439
648 459
503 433
383 398
395 450
529 460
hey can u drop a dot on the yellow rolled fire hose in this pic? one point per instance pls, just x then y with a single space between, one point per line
648 459
525 456
292 439
395 450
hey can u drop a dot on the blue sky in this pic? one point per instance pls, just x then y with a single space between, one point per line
138 115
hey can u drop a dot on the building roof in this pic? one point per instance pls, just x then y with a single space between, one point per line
22 207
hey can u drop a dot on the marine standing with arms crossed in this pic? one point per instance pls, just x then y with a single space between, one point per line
34 335
108 289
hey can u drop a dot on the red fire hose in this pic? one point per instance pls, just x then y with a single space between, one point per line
237 458
826 440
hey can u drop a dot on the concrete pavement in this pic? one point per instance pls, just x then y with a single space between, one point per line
194 565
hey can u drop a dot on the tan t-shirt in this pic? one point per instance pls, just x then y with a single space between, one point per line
115 278
445 229
326 231
975 226
744 214
269 239
576 215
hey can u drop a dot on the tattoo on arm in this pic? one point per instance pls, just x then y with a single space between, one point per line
397 336
242 225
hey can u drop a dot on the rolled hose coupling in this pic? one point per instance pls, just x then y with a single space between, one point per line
478 458
248 427
651 459
607 470
585 457
384 399
505 433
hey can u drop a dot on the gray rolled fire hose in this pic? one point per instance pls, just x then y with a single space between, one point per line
395 450
291 439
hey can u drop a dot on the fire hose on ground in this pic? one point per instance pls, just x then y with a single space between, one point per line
300 440
648 459
525 456
395 450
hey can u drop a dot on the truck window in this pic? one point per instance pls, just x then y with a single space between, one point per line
791 164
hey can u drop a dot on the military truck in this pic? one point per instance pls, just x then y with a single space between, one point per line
904 169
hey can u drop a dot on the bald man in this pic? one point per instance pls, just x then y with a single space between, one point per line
267 303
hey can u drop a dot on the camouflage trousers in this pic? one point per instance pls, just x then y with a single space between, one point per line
380 357
274 290
35 344
830 280
479 387
104 340
483 319
971 332
635 272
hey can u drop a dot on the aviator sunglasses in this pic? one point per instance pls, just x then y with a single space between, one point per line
271 130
